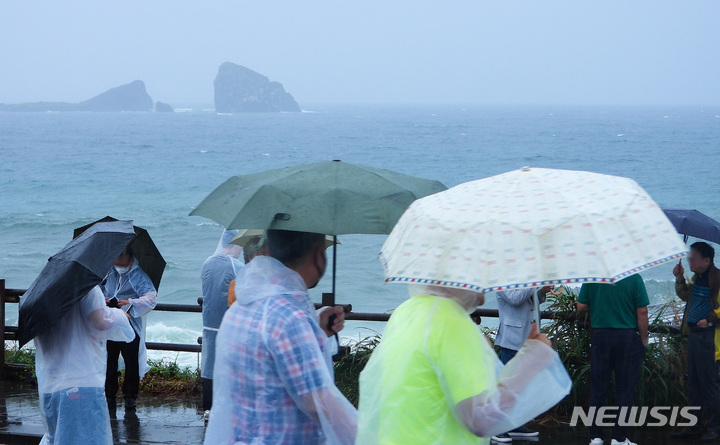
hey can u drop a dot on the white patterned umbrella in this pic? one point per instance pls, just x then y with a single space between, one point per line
530 228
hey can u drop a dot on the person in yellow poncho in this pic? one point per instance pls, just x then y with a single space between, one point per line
435 379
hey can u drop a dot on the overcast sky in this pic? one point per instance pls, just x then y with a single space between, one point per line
370 51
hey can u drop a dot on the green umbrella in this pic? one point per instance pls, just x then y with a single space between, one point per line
333 198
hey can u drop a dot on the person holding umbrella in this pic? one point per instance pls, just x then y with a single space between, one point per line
65 313
127 286
217 273
435 379
271 381
70 368
700 320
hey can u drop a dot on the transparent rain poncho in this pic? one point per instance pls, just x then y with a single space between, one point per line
136 287
435 379
271 382
70 362
217 273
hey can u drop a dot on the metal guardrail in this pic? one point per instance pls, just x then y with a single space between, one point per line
13 296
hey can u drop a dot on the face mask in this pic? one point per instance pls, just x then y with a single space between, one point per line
122 270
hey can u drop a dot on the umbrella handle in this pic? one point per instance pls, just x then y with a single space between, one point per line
331 321
536 305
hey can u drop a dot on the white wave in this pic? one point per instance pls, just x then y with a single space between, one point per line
160 332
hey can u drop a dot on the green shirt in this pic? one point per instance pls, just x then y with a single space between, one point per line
614 306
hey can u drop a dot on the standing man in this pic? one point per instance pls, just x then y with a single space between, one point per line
217 273
699 323
70 366
128 287
272 383
515 308
619 317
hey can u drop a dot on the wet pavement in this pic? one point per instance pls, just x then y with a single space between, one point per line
157 420
567 435
174 420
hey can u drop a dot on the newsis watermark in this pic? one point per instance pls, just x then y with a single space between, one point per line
636 416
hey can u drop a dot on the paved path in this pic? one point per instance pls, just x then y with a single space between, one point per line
158 420
173 420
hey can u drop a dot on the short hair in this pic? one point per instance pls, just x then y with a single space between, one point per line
127 253
290 247
704 249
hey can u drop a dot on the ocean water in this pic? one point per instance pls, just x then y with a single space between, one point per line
59 171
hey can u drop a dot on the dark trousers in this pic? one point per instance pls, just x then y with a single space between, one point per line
207 393
131 384
506 355
618 351
703 381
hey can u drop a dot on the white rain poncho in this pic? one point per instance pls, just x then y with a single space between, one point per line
136 287
217 273
70 362
435 379
272 383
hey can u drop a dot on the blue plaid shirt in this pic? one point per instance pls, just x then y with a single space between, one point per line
269 355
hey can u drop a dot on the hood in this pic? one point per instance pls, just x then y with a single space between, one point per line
265 276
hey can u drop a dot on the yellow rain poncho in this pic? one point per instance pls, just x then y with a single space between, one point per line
435 379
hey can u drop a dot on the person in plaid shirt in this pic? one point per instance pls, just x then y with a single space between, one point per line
272 382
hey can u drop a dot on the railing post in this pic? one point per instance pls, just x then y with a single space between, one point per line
2 333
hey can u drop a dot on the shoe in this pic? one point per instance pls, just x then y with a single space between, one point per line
685 433
597 441
503 438
206 416
130 403
523 431
624 442
710 436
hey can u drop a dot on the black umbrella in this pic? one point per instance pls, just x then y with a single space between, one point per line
145 250
69 275
694 223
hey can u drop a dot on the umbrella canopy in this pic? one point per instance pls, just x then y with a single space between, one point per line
694 223
69 275
146 252
246 235
530 228
333 198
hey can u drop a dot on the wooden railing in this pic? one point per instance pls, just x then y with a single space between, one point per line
13 296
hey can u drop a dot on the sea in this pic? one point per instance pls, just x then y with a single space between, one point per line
59 171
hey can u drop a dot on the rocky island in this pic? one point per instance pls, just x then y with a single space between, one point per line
239 90
162 107
130 97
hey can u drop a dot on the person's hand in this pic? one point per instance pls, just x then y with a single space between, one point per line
702 323
127 315
122 303
534 335
107 300
338 323
679 271
545 290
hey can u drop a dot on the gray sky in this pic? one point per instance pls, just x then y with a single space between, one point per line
371 51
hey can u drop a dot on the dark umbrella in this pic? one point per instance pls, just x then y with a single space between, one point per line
69 275
694 223
145 250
